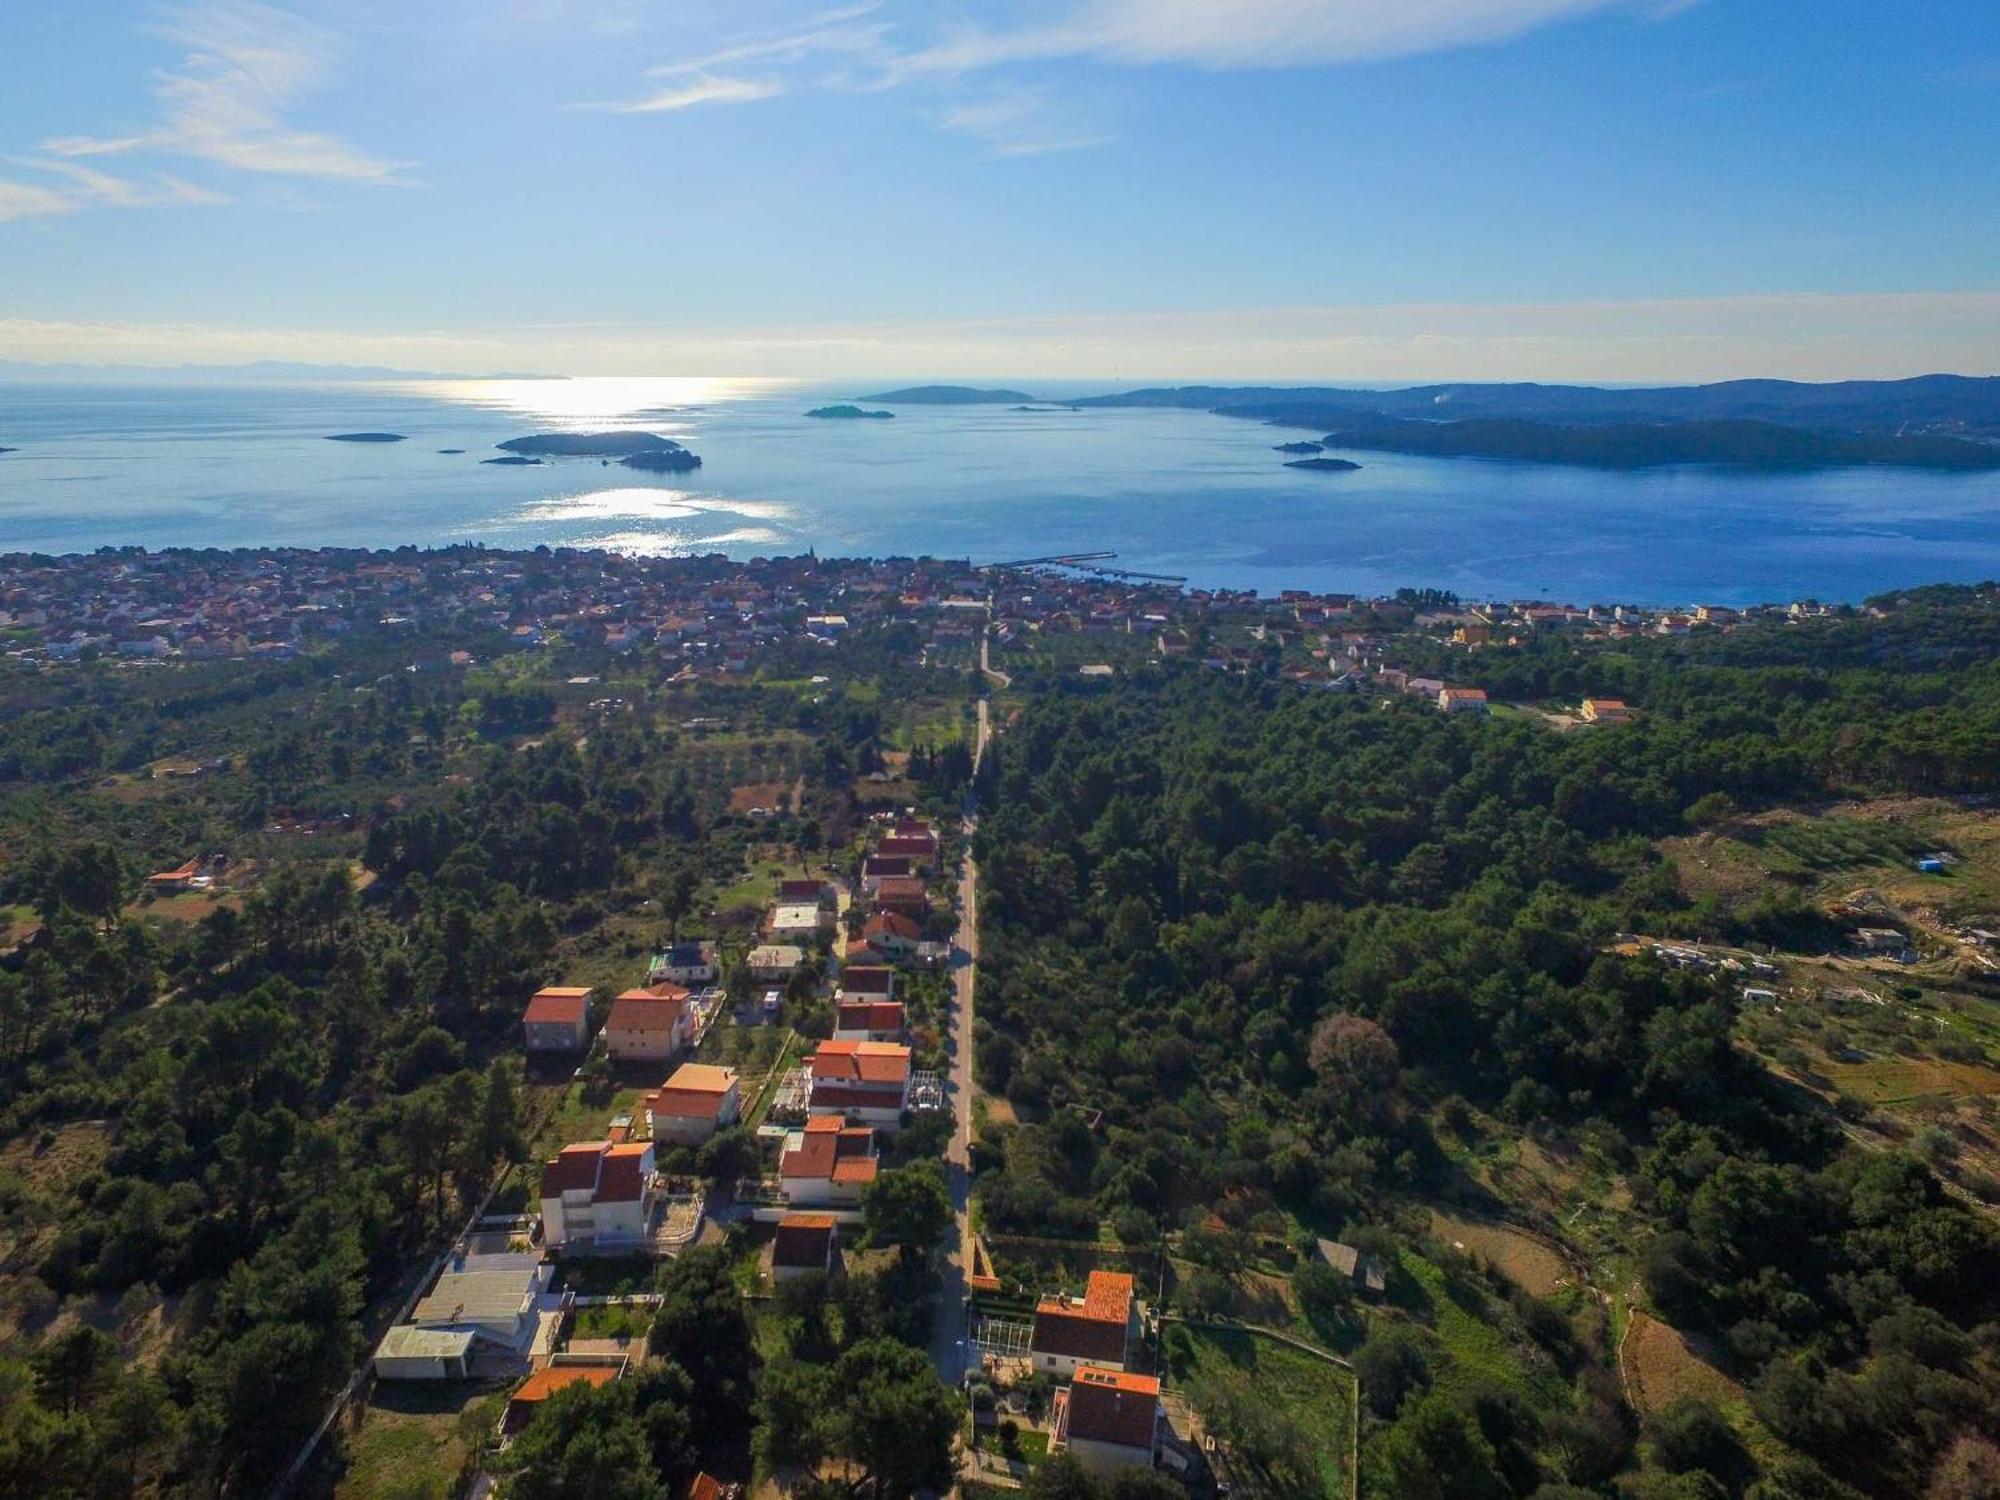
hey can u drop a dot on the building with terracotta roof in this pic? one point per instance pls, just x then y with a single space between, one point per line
877 868
827 1164
867 982
805 1245
557 1019
892 934
1094 1329
869 1021
545 1382
904 895
1108 1420
921 848
1605 711
861 1080
649 1025
697 1101
1462 700
598 1193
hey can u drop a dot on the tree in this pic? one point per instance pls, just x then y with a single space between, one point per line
1391 1366
1690 1435
701 1326
73 1367
1326 1298
893 1421
584 1444
1061 1477
1436 1452
908 1207
729 1155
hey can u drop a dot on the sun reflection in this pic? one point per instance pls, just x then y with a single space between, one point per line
591 400
677 543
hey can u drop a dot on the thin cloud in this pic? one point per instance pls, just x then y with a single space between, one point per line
707 89
26 200
247 67
1020 122
1229 34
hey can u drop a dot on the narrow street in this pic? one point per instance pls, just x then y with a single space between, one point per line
950 1348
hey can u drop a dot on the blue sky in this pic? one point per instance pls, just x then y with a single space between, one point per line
1231 189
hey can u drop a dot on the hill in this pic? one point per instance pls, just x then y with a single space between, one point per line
1633 445
949 395
1961 404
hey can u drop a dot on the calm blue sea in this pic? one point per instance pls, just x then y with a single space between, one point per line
1170 492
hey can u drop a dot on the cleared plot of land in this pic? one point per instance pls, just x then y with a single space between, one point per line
1662 1365
1521 1258
413 1441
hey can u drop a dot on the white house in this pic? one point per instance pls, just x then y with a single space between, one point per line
687 963
598 1193
774 962
868 1021
865 1081
827 1164
495 1298
411 1353
1109 1420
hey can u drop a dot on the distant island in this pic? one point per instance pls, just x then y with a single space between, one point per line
948 395
512 458
1633 445
586 444
9 450
847 412
1324 465
364 437
673 460
451 450
1949 422
1299 448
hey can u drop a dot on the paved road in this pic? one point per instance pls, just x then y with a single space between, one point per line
949 1340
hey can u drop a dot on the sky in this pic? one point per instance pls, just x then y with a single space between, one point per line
1286 190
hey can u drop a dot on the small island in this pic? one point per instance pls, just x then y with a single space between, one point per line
847 412
451 450
520 459
1324 465
587 444
9 450
949 395
674 460
1300 448
364 437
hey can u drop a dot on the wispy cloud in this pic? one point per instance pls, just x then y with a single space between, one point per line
688 91
841 35
247 68
1019 122
857 49
69 185
1246 33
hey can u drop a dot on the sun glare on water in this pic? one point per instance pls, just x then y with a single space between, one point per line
596 400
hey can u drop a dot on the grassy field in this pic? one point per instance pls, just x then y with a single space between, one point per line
1314 1397
1478 1346
414 1440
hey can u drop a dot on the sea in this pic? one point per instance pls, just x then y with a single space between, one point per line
1182 494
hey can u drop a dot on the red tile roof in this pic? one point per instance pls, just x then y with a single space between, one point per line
697 1091
623 1176
867 979
655 1009
891 924
573 1167
870 1015
1094 1328
1108 1295
804 1240
881 1063
901 888
558 1004
1110 1406
546 1382
831 1152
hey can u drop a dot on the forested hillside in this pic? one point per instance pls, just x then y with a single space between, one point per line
1266 965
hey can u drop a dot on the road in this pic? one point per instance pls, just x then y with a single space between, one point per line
950 1346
